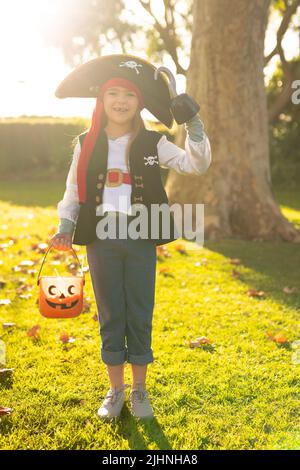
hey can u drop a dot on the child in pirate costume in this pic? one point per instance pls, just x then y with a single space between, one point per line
119 160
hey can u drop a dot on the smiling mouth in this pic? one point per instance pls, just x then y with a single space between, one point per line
62 306
119 110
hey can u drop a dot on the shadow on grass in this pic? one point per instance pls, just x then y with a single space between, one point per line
274 266
6 380
130 428
289 198
6 424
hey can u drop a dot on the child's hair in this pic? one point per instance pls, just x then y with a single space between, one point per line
137 124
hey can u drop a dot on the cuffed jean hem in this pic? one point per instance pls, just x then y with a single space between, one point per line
113 358
140 360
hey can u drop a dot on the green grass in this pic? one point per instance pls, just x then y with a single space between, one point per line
240 393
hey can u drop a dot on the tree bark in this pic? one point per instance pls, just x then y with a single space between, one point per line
226 77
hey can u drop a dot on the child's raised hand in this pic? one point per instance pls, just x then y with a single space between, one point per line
62 241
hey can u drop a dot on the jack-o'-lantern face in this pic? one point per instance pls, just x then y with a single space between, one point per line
61 296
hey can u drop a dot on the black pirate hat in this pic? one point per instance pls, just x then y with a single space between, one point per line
86 80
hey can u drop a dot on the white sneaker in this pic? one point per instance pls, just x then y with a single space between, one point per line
140 403
113 403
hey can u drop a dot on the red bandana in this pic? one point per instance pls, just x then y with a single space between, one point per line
91 137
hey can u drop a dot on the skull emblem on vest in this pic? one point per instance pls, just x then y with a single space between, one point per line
151 160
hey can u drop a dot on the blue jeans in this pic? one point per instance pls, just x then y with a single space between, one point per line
123 279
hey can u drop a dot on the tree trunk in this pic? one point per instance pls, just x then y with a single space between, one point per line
226 77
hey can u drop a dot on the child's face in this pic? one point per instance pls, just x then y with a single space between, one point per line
122 98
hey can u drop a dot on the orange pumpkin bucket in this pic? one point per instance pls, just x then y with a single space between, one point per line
60 296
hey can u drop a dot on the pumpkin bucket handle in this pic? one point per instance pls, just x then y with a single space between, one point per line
73 252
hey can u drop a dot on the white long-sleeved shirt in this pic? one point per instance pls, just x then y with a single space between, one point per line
195 159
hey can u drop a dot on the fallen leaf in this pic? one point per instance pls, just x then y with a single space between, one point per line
195 344
203 340
40 247
31 271
159 251
255 293
180 247
95 317
198 342
34 332
235 261
4 246
27 262
162 250
165 271
278 338
58 255
24 269
73 268
25 296
24 287
86 304
8 325
65 338
236 273
5 301
16 268
5 411
290 290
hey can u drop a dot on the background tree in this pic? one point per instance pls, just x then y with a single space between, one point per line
290 69
237 190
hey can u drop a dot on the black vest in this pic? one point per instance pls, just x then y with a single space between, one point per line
147 187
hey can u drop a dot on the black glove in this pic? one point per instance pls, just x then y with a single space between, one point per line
184 108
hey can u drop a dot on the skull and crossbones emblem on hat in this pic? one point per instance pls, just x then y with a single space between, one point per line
131 64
